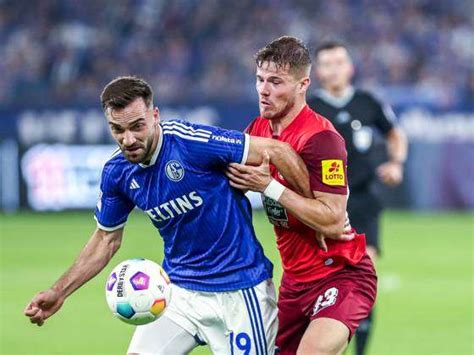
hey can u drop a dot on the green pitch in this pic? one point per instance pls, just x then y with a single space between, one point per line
425 283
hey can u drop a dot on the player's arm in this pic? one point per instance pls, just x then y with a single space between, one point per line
325 212
92 259
111 214
391 172
228 146
286 160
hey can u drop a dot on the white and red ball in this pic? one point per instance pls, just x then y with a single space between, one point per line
138 291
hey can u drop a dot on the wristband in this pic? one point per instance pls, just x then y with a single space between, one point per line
274 190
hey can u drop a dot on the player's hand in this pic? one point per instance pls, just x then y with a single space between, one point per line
255 178
391 173
321 239
347 235
43 306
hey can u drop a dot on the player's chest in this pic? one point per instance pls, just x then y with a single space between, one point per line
167 191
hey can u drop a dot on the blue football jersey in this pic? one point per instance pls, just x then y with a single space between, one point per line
209 241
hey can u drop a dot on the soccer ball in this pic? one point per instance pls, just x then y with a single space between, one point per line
138 291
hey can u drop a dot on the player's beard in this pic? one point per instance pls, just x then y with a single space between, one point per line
143 157
282 113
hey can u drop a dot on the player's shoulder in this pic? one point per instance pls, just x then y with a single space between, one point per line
115 159
319 128
257 126
184 130
116 165
316 123
180 125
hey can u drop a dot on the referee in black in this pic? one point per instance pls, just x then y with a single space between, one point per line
362 120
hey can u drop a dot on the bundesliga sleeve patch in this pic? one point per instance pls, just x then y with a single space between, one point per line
333 172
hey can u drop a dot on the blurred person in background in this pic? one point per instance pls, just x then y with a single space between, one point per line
358 116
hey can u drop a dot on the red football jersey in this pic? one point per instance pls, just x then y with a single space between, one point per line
323 150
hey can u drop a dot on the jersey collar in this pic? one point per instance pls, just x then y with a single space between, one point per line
334 100
156 153
303 113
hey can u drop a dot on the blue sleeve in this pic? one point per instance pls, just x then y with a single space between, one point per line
113 207
209 146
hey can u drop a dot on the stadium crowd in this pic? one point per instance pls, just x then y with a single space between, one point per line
63 52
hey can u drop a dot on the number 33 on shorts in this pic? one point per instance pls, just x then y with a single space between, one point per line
325 300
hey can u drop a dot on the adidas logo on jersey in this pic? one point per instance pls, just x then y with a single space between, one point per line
134 185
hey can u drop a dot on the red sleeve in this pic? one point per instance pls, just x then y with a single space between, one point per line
251 127
325 156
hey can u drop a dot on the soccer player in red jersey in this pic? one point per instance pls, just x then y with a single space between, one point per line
329 283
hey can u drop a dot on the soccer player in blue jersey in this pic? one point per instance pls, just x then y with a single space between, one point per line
175 172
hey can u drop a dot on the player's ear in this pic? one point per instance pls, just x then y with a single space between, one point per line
304 84
156 114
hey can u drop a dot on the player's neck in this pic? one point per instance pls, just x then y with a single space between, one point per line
338 91
279 124
154 145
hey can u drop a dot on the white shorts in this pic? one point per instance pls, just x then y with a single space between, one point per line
237 322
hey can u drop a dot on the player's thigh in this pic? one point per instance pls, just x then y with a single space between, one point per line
292 320
347 296
251 319
162 336
324 336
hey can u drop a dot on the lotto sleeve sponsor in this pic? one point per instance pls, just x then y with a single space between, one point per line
326 158
333 172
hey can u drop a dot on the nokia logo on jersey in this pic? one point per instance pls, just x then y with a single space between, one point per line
175 207
174 170
227 139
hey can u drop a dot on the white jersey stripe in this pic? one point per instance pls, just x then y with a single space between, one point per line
191 138
117 151
245 154
109 229
182 130
170 124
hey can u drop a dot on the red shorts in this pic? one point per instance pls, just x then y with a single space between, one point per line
347 295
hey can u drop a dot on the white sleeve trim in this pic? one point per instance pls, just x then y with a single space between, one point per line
245 154
109 229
